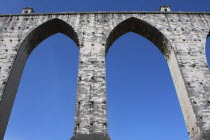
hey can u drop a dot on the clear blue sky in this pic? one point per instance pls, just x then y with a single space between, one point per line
142 102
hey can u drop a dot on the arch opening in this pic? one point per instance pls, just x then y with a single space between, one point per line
44 106
142 100
33 39
137 76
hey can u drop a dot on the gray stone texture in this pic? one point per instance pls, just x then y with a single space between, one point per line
180 36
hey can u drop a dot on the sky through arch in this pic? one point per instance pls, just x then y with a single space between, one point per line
141 94
44 105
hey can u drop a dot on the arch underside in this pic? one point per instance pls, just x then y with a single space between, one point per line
48 29
139 27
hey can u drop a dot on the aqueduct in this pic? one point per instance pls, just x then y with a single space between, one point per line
180 36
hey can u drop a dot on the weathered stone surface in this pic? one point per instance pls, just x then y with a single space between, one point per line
180 36
90 137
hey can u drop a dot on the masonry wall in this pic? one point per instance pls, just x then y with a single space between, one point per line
180 37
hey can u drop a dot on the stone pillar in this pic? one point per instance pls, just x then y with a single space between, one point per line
12 62
91 112
191 78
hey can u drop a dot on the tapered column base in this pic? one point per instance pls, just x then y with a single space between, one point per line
91 137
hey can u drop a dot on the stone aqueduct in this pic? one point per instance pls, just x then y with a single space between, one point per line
180 36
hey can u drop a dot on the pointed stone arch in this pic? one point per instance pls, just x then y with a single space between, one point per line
142 28
48 29
35 37
171 55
